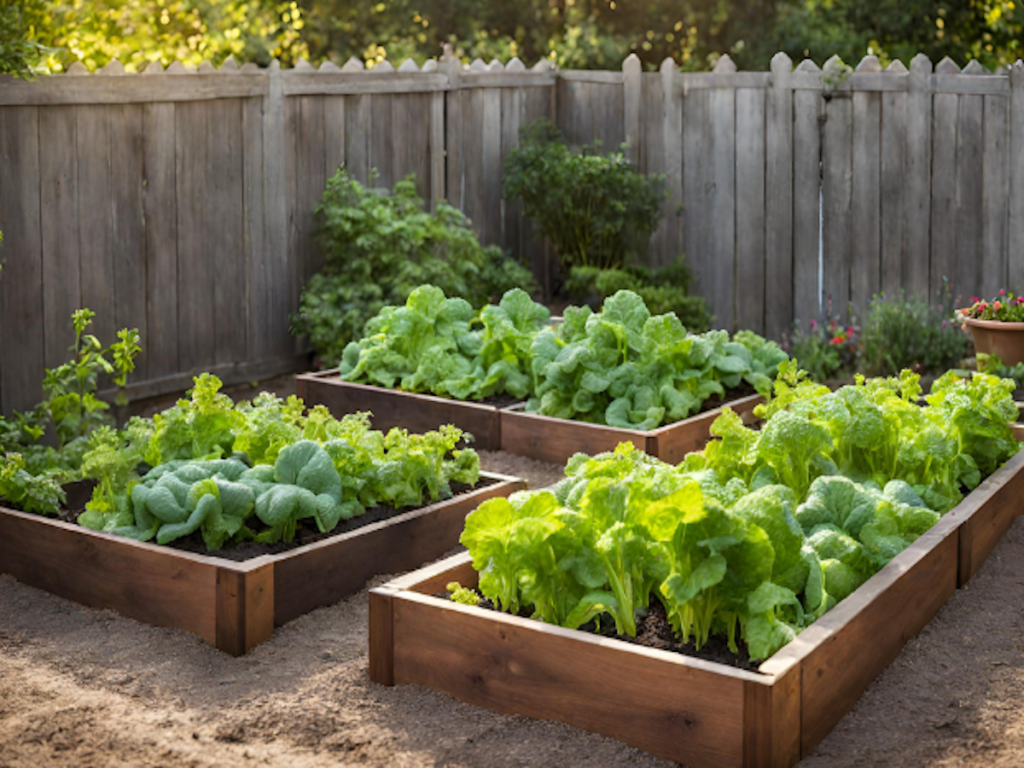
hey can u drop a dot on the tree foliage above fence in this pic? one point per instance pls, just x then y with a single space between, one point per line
574 34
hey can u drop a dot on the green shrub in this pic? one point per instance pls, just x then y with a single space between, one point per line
827 350
662 289
379 247
910 333
595 208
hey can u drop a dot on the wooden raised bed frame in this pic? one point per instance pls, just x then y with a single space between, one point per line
555 440
699 713
394 408
231 605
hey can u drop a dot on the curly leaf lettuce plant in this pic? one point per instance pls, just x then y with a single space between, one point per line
626 368
761 533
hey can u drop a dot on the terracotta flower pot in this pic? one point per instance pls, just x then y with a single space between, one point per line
997 338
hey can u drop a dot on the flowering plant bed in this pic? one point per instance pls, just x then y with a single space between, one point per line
232 605
554 440
690 710
997 326
395 408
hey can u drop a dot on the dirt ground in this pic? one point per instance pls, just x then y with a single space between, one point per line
80 687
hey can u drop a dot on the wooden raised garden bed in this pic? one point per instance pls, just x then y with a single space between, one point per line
232 605
697 712
394 408
555 440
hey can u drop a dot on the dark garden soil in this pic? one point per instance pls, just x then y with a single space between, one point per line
91 689
654 631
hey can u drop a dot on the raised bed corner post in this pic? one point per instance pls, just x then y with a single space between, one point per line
245 607
382 636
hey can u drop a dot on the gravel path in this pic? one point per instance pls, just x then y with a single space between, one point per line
80 687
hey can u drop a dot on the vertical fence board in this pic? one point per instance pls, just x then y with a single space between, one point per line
160 207
437 158
969 196
697 183
309 185
865 257
996 197
668 240
778 289
358 134
382 146
95 246
539 253
722 246
894 142
1015 236
259 323
226 228
274 275
489 225
127 226
750 209
918 185
806 206
631 100
334 134
58 170
196 274
944 179
512 113
473 203
21 255
837 172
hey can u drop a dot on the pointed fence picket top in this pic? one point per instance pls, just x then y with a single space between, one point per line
113 68
77 69
206 68
303 65
229 66
515 64
329 66
176 68
897 67
724 65
495 66
408 66
975 67
869 64
544 65
947 67
153 68
429 66
478 65
385 67
353 65
250 68
807 65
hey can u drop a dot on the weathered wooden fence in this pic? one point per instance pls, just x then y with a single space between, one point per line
181 202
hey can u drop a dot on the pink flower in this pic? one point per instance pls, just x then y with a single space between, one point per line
998 305
1002 292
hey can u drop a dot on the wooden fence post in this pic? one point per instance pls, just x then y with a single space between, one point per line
806 197
918 179
1016 234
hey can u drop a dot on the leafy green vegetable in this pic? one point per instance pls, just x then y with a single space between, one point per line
39 493
462 595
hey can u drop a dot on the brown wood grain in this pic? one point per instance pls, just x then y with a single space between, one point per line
555 440
382 640
159 586
322 573
988 512
771 714
677 708
864 633
394 408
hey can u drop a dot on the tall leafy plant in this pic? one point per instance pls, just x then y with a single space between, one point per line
378 247
595 208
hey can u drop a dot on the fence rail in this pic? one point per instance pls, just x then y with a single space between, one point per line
181 201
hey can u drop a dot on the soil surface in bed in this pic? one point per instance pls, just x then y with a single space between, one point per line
80 687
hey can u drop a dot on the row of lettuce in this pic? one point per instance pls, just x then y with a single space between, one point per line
228 472
762 532
622 366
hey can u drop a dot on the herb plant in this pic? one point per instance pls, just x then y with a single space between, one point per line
903 333
596 209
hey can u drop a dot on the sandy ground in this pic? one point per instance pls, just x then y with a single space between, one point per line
80 687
